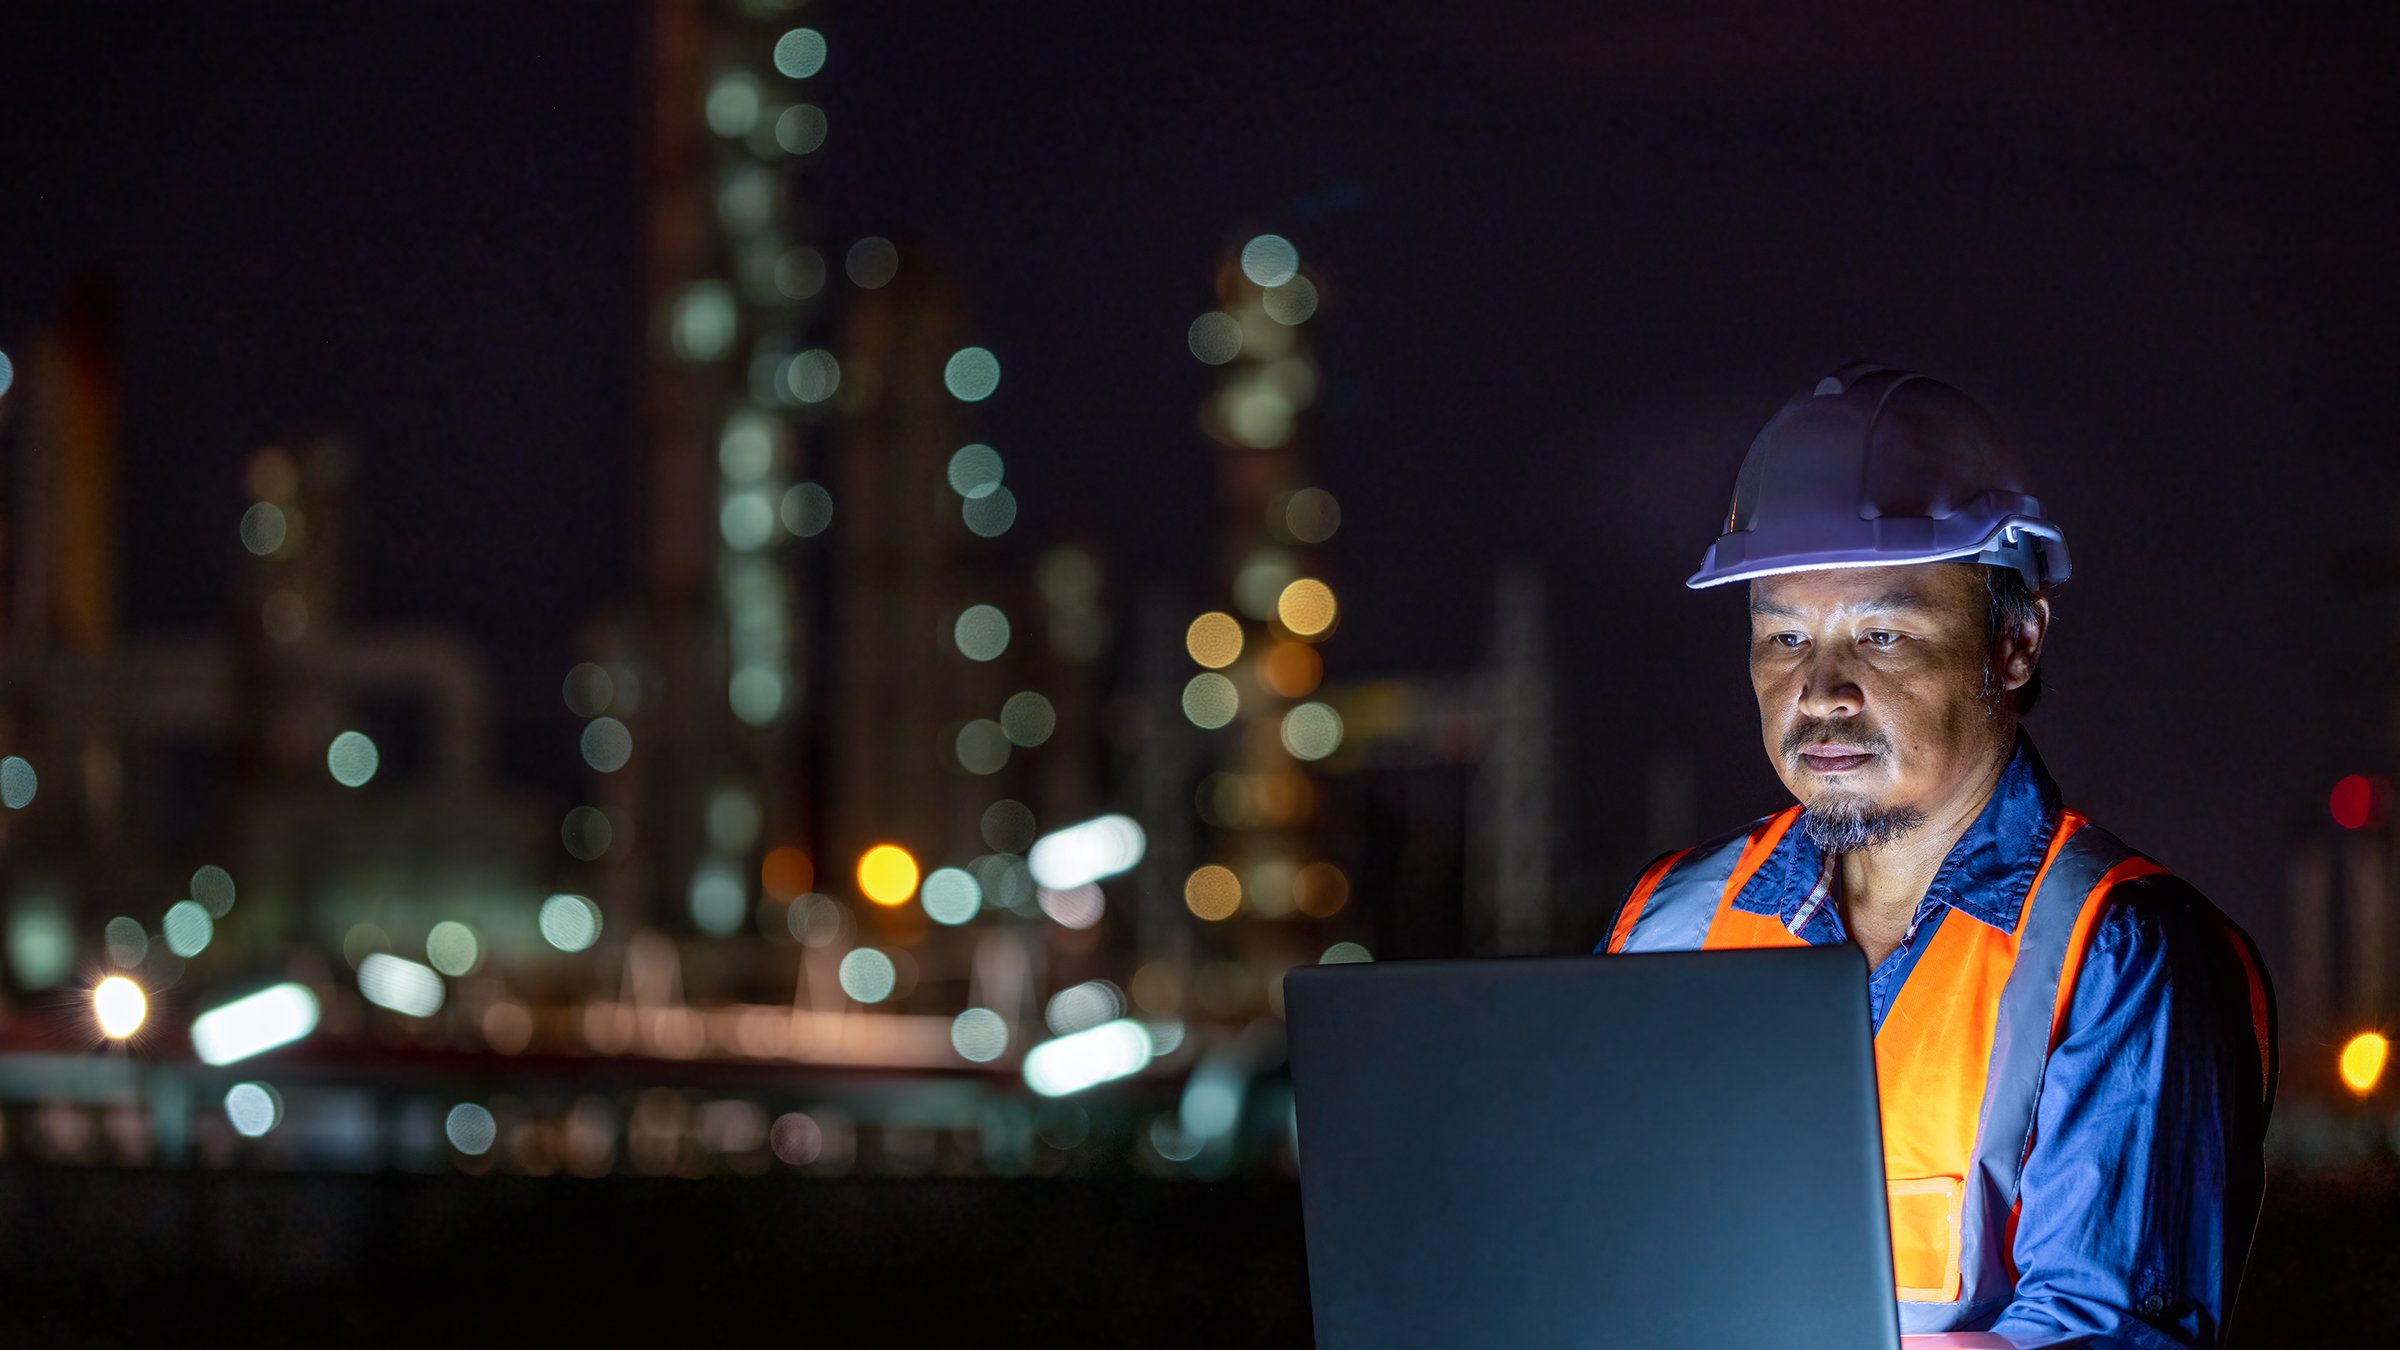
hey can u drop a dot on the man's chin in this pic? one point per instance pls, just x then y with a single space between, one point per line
1845 821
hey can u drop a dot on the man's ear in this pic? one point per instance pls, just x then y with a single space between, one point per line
2021 650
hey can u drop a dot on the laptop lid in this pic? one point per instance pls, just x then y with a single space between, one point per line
1678 1150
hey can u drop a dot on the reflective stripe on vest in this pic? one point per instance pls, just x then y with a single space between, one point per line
1959 1057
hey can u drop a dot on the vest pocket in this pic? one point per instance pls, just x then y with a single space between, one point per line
1925 1218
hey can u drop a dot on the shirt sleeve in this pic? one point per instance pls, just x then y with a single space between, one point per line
2122 1230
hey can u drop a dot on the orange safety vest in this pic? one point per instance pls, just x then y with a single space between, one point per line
1960 1054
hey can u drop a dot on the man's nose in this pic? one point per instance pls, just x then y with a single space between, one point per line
1826 687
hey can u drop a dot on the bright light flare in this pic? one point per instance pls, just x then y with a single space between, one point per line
121 1007
1081 854
1086 1059
255 1024
2363 1059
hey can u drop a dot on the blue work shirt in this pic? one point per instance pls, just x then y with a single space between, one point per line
2147 1129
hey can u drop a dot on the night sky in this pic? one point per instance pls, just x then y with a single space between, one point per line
1571 263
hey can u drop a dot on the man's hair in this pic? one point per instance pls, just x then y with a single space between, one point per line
2011 608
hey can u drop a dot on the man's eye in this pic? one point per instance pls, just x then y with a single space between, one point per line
1876 637
1785 639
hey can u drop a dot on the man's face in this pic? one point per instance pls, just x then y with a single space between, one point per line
1878 697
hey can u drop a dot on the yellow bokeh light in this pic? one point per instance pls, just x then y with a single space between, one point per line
120 1005
888 874
1306 607
1214 639
2362 1061
1213 892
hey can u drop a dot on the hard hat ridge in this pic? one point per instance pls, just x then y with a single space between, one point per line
1875 467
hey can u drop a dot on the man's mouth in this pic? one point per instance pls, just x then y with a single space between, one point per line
1827 758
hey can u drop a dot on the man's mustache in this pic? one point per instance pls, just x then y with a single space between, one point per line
1865 739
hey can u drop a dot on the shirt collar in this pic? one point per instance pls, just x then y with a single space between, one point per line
1986 874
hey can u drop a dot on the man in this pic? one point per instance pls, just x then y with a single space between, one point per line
2074 1049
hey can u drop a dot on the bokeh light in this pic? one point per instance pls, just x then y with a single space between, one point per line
587 833
1008 826
979 1035
800 53
252 1108
568 922
981 633
589 689
813 376
18 783
126 940
1214 639
1212 892
187 928
990 515
1293 302
972 374
787 872
1028 719
2358 801
1344 953
1312 515
816 920
1291 669
1261 580
951 895
806 510
352 759
868 975
1087 1059
982 746
1322 890
2363 1060
470 1129
887 874
1075 907
975 471
212 886
1306 607
120 1007
1083 1006
747 519
607 744
402 985
872 263
1215 337
800 272
1270 260
451 948
264 528
800 130
254 1024
1312 731
718 898
1210 700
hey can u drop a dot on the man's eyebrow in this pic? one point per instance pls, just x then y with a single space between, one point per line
1890 602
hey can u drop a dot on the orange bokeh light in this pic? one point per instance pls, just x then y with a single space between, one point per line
786 873
1291 669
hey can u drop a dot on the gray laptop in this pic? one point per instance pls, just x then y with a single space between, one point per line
1679 1151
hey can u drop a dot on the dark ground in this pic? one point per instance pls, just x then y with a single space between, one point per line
101 1257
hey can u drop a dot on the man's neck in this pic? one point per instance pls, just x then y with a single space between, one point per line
1881 886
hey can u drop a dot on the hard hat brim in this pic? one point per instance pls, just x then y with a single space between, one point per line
2034 547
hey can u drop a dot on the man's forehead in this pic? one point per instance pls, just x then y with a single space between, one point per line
1926 589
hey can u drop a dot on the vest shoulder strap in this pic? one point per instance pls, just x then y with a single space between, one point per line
1670 907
